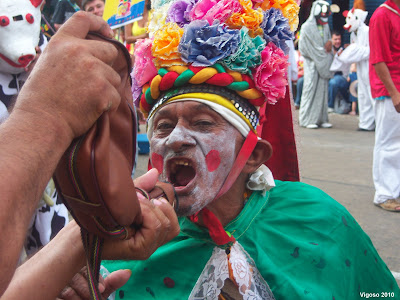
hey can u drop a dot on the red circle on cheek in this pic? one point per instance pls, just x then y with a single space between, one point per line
158 162
213 160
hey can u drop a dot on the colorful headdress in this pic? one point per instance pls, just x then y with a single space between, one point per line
238 46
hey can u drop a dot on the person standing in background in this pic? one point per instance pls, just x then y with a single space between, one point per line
384 75
316 48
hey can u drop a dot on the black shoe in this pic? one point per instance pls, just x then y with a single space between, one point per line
362 129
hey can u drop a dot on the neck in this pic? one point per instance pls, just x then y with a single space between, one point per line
228 206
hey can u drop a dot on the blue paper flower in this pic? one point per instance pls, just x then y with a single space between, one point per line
203 44
276 29
248 54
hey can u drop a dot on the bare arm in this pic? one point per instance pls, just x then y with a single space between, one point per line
46 274
131 39
383 73
45 119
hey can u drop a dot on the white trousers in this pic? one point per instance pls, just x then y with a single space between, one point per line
386 162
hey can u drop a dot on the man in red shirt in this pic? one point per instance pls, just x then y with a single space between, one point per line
384 35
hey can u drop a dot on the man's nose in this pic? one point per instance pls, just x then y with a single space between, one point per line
180 139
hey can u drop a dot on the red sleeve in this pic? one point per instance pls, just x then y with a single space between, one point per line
379 37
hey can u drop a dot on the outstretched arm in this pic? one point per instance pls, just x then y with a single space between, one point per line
45 119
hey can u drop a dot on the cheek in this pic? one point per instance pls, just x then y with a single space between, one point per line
158 162
213 160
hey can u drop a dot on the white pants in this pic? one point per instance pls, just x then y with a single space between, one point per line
386 163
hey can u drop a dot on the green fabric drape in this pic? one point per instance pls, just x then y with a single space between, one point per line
304 243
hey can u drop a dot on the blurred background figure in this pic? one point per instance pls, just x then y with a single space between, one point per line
138 29
94 6
358 52
316 48
353 89
63 11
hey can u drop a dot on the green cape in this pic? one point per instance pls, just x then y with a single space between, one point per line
304 243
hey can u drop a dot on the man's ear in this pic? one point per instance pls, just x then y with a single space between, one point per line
261 153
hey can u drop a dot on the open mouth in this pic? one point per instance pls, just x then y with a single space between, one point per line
180 172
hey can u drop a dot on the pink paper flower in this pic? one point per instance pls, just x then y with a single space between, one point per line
211 10
144 68
271 76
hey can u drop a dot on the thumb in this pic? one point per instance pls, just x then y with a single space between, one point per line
115 280
147 181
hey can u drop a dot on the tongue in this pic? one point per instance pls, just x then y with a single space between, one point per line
184 176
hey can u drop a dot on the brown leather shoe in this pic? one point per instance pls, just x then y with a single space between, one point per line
390 205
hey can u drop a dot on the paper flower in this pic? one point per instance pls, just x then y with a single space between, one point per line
158 18
211 10
276 29
271 76
165 46
248 54
290 10
179 11
248 17
144 68
203 44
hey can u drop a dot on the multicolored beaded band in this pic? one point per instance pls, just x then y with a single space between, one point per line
242 106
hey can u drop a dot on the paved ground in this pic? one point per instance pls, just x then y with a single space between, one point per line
339 161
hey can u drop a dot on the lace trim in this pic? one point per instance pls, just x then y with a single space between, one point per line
211 281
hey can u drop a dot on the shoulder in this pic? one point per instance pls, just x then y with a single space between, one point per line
305 199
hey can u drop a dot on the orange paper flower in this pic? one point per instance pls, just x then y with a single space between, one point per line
249 18
290 10
165 46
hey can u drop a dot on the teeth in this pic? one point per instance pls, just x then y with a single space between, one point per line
181 162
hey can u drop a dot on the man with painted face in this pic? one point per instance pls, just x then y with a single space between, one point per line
316 48
243 235
358 52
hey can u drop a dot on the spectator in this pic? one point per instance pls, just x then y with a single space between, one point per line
352 79
338 84
385 87
94 6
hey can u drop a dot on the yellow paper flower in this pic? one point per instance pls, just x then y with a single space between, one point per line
250 18
290 10
165 46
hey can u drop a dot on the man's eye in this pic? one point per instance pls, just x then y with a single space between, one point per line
203 123
164 126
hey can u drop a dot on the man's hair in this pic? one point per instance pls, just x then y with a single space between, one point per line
334 32
85 2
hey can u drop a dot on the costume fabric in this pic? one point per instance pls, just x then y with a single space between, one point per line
386 163
358 52
385 47
64 10
304 244
314 99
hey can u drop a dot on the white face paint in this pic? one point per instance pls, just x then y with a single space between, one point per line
19 34
194 148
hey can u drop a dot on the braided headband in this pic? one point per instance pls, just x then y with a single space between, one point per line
217 75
